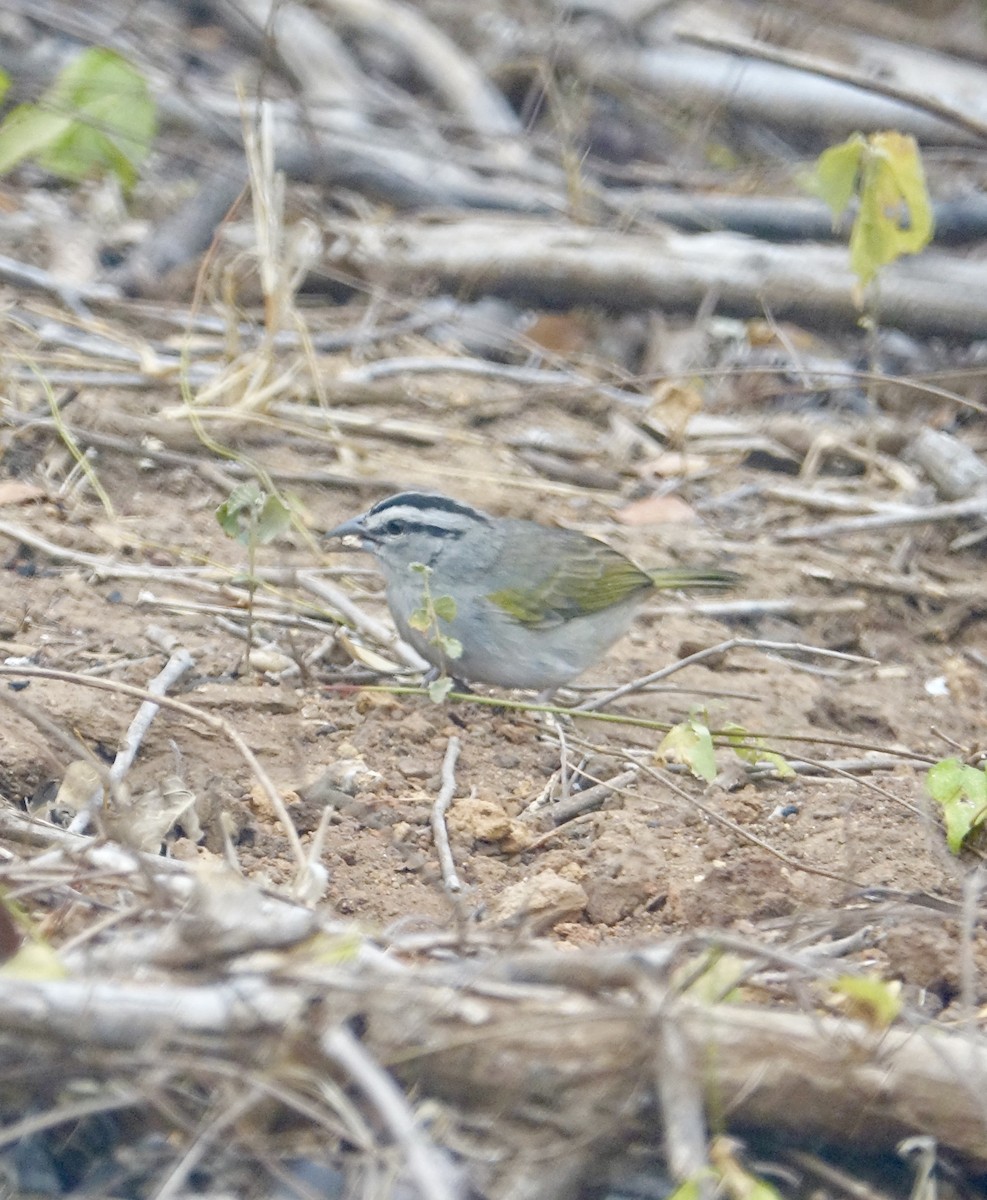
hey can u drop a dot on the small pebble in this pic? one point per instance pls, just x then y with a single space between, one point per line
783 810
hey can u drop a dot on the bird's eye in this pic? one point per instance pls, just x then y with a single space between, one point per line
394 528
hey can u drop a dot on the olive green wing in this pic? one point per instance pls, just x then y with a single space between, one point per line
575 576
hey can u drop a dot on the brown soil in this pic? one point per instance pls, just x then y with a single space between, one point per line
827 852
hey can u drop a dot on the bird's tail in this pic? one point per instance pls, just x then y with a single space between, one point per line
671 578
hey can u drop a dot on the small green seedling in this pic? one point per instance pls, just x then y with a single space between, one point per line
752 749
961 792
253 517
894 215
97 118
426 619
690 743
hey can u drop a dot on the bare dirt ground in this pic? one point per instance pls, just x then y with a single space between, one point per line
742 854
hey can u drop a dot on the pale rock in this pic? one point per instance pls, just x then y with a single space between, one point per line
543 900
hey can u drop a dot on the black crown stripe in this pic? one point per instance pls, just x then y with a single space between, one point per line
426 502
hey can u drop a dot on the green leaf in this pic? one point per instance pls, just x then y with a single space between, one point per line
691 744
961 793
903 190
244 496
24 954
420 619
870 999
35 961
251 514
236 512
330 950
439 688
445 607
273 518
4 84
753 750
691 1189
98 117
835 176
420 569
451 647
27 131
894 215
871 242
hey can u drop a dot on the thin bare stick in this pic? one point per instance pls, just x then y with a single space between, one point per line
73 296
64 1114
565 775
429 1168
440 835
847 766
680 1089
380 632
311 886
26 537
179 662
528 376
974 506
113 859
827 501
212 578
732 610
582 802
220 1126
712 651
827 69
718 818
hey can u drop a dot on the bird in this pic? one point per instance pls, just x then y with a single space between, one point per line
503 601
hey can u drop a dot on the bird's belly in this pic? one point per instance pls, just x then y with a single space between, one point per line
501 651
513 655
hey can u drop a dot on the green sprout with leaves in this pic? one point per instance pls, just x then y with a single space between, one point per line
961 792
894 215
426 619
690 743
97 118
253 517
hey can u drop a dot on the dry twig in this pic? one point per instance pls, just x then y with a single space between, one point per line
440 834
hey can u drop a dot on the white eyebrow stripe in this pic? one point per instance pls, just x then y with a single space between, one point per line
430 502
424 517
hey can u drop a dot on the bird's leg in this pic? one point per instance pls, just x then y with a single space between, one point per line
458 685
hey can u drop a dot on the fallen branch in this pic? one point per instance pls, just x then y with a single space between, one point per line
552 263
817 1077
